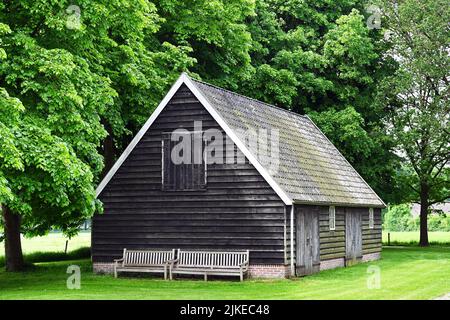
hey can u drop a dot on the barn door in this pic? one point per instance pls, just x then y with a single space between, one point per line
308 250
353 237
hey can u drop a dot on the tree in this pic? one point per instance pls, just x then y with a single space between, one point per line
51 104
80 79
319 58
143 58
217 32
417 96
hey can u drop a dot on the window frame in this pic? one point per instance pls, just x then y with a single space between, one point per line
371 219
332 218
165 186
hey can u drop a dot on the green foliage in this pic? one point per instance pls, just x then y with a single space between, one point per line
439 222
417 94
69 80
64 78
216 32
320 58
346 127
399 218
51 105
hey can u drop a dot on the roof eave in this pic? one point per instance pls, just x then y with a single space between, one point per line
339 204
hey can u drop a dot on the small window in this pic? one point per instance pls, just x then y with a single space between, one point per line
183 166
371 221
332 218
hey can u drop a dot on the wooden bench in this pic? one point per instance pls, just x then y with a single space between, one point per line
210 263
144 261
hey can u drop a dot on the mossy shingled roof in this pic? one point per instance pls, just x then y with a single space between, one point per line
310 168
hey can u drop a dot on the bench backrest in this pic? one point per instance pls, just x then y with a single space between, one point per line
211 259
147 257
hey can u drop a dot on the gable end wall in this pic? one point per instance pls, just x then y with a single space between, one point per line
238 210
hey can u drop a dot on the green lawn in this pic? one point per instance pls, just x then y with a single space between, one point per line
412 237
406 273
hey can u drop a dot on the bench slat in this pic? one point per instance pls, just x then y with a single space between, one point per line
146 257
211 259
211 262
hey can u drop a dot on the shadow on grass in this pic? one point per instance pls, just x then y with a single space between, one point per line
81 253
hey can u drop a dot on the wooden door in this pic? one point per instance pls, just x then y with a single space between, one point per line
308 248
353 237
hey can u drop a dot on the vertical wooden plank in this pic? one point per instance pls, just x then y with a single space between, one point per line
358 242
316 239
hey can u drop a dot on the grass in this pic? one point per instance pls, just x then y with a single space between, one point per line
52 242
412 238
38 256
406 273
51 248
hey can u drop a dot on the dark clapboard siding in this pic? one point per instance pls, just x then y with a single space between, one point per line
332 242
238 209
371 238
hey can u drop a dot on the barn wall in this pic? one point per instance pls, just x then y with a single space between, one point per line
371 238
238 210
332 242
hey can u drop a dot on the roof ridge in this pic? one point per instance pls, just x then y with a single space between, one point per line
249 98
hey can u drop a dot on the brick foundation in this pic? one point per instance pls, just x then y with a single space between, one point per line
331 264
255 271
371 256
103 268
268 271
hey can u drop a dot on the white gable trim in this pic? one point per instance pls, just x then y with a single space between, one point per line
139 135
184 79
238 142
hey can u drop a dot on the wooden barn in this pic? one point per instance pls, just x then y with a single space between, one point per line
309 211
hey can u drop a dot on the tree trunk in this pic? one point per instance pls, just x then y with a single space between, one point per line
424 194
108 150
13 246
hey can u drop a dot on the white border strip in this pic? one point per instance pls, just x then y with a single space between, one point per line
185 79
139 135
292 241
237 141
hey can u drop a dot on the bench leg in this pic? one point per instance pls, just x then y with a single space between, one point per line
165 273
115 271
206 277
242 276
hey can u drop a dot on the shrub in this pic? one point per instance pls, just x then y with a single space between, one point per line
399 218
439 222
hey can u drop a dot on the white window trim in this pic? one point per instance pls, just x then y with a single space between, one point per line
332 218
371 219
